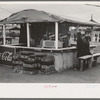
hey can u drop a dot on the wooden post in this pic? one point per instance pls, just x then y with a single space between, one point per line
90 63
4 35
77 28
92 35
28 35
56 35
81 65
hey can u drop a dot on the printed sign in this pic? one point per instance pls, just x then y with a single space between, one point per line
6 55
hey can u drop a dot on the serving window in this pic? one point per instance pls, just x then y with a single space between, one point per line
11 35
41 35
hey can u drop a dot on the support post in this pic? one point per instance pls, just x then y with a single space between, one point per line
56 35
90 63
28 35
4 35
77 28
92 35
81 65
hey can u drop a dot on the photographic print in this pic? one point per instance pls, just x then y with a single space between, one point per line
49 49
55 42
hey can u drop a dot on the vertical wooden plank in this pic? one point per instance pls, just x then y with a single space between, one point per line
77 28
95 61
92 35
56 35
28 35
81 65
4 35
90 63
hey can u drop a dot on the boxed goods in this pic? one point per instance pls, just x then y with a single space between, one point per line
23 57
29 65
48 69
27 53
17 62
47 60
28 62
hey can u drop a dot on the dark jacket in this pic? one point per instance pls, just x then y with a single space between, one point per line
66 42
79 47
83 47
86 47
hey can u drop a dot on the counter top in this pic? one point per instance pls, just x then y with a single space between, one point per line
45 49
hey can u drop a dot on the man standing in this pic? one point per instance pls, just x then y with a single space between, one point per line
79 45
83 46
86 45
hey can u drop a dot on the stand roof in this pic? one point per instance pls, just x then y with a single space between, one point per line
31 15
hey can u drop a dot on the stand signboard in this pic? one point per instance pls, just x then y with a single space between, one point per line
6 55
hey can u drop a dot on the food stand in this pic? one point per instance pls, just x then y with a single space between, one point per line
35 24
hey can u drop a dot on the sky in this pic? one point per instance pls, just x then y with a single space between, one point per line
72 9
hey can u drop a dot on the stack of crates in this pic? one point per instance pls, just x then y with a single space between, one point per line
17 63
38 57
30 65
28 62
47 65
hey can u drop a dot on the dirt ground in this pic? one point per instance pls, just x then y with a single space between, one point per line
70 76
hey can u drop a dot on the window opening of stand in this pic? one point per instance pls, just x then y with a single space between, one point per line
66 31
41 34
14 34
37 33
9 34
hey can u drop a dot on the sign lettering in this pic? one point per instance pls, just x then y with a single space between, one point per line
7 56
